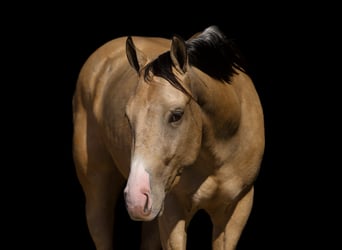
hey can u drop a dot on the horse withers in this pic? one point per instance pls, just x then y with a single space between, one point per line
177 125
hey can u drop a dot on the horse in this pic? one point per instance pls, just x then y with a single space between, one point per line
175 126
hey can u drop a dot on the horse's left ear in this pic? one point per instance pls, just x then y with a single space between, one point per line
136 58
178 53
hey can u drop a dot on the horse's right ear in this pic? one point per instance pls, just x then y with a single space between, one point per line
136 58
178 53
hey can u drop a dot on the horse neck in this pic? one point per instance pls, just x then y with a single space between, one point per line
232 117
219 103
221 117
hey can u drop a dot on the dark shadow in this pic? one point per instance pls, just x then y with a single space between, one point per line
126 231
199 232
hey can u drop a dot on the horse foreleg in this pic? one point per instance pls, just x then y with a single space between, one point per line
102 192
100 180
229 224
172 225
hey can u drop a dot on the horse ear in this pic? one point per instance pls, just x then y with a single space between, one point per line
178 53
136 58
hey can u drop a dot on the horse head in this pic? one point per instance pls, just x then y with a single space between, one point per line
166 127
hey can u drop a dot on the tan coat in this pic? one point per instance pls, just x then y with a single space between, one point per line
172 148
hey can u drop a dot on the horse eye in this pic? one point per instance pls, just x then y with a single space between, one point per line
176 116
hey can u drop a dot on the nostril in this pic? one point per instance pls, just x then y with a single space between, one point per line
147 208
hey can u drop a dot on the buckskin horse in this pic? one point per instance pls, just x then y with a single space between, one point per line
177 126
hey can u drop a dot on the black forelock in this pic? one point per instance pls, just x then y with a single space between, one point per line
162 67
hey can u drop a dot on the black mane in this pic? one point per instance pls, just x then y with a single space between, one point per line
214 54
211 52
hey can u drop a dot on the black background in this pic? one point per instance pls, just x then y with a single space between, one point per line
47 48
